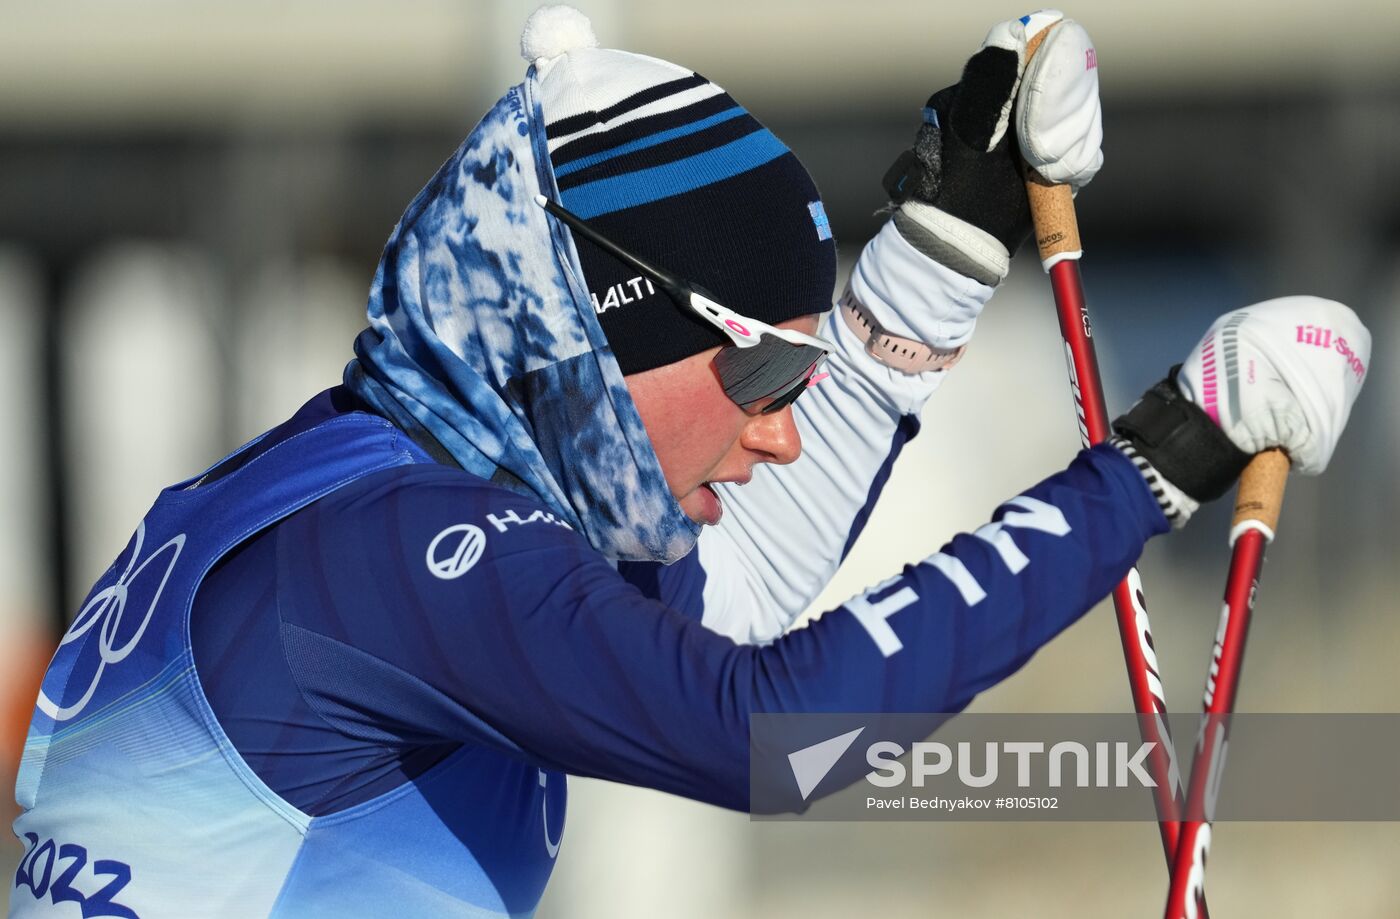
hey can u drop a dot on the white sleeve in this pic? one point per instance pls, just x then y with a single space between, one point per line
784 534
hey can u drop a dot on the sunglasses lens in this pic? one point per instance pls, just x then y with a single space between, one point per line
773 369
783 401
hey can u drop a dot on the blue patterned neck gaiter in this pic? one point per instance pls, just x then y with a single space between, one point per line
481 332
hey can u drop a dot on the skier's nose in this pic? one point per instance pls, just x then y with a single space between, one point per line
775 436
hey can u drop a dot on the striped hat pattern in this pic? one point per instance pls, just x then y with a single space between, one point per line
668 165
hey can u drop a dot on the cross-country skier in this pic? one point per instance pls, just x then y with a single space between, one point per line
345 671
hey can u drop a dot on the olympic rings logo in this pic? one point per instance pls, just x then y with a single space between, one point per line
107 608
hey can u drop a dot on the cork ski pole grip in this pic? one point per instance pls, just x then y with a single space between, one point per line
1260 496
1052 206
1052 214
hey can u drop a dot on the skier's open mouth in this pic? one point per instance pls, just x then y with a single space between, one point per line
711 508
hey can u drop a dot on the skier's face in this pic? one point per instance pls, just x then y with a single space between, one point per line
701 436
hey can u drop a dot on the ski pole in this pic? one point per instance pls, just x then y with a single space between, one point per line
1257 507
1057 238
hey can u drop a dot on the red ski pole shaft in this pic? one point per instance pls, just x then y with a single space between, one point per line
1054 211
1057 239
1129 602
1256 519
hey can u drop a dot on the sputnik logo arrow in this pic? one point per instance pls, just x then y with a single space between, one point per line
811 764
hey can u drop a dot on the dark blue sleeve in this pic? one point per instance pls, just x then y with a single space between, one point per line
410 614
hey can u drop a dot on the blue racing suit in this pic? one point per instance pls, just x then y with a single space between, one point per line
344 671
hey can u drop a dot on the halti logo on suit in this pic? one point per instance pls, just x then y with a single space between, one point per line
454 551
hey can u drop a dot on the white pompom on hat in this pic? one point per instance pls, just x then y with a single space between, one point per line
577 76
555 30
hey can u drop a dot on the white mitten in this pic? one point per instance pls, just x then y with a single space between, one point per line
1283 373
960 190
1059 124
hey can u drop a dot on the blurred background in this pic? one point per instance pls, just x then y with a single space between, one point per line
193 197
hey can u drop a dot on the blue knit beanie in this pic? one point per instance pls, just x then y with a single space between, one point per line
668 165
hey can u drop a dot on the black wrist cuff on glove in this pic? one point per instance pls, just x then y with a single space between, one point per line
1179 439
906 177
987 190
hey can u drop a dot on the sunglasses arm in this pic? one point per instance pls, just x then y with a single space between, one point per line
672 285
